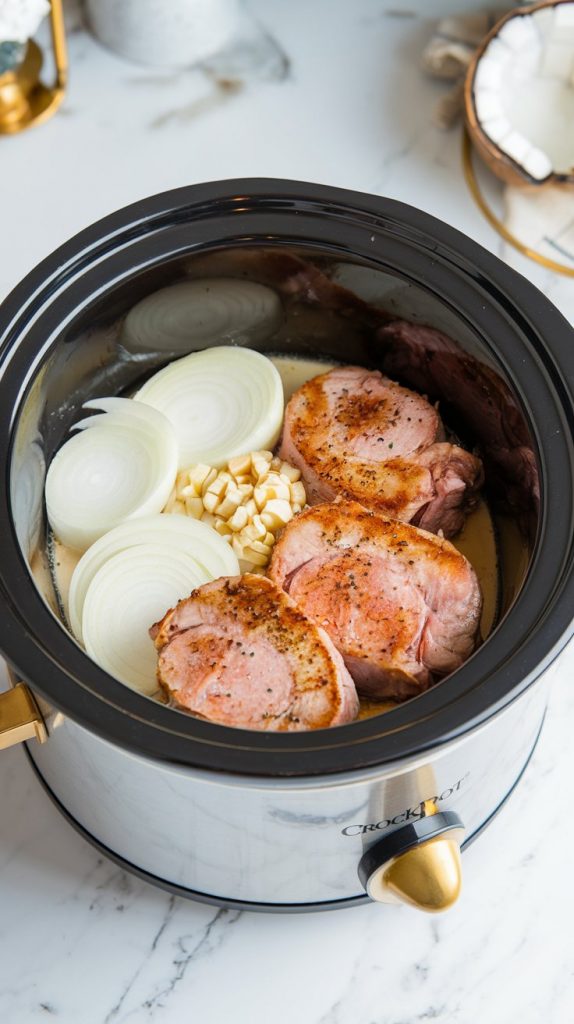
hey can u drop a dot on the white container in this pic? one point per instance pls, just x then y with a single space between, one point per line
176 34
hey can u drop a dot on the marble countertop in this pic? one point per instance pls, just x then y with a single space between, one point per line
335 96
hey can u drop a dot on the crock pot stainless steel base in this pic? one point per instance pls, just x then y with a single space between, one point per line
254 818
231 904
280 842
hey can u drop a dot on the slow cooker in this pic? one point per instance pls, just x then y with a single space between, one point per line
377 809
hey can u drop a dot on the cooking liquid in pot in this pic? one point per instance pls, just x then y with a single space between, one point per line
477 540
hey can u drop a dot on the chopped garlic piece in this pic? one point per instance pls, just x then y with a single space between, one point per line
260 547
194 507
254 530
260 465
239 518
250 555
292 474
230 503
279 508
210 501
208 480
260 496
278 490
247 502
218 486
298 496
197 475
240 465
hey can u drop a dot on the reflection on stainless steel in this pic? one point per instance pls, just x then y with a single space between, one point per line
408 793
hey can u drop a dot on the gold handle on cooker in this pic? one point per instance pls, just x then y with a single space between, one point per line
20 717
24 99
418 864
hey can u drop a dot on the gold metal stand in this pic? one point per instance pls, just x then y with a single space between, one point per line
472 182
20 717
24 99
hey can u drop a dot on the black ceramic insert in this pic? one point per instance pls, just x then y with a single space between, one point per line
57 343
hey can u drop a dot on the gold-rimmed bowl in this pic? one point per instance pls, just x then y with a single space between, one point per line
519 96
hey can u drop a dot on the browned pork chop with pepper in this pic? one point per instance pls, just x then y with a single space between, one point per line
401 605
356 434
238 651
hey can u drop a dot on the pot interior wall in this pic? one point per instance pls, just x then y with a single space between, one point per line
340 311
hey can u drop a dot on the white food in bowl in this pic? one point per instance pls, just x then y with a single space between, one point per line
523 90
248 502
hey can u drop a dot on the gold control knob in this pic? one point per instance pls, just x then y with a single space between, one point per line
427 876
418 864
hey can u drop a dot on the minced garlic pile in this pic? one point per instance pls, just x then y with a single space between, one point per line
248 502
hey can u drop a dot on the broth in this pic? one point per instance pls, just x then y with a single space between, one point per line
477 540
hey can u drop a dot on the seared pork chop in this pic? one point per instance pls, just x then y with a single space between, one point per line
400 604
356 434
238 651
428 359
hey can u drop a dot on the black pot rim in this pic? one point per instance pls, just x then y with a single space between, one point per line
534 345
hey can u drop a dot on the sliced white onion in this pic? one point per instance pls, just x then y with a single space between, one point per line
222 402
195 314
190 537
124 410
122 465
132 591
